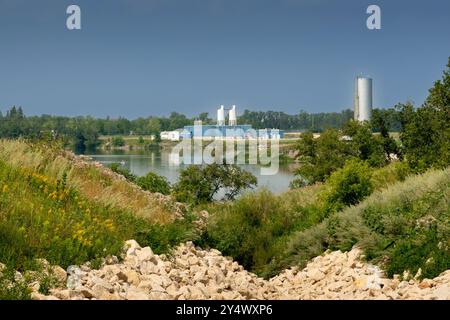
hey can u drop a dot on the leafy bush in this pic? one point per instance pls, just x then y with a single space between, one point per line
348 186
10 288
154 183
254 228
118 142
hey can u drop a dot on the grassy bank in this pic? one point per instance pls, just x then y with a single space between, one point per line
91 180
69 212
403 227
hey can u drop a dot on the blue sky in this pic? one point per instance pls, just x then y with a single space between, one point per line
149 57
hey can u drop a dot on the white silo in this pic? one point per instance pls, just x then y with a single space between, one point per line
363 99
221 116
232 116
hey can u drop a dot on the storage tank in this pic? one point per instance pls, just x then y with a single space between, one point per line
232 116
363 99
221 116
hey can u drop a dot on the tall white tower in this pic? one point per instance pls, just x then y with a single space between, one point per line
221 116
232 120
363 99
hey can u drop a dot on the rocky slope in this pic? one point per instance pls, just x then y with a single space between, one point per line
192 273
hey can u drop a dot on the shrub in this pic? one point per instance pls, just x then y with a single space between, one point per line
348 186
154 183
161 238
254 228
118 142
405 225
10 288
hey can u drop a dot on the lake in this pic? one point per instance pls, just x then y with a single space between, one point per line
140 162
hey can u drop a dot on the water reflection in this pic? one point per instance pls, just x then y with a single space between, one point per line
164 163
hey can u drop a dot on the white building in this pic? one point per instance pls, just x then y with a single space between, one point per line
170 135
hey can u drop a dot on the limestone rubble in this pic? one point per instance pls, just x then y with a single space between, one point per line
193 273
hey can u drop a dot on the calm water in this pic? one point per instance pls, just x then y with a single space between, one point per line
140 162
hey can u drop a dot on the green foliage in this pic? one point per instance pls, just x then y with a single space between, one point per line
301 121
385 120
199 184
154 183
118 142
348 185
321 156
10 288
118 168
253 228
162 238
368 147
405 225
55 222
426 131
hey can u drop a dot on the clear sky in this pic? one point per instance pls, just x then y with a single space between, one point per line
149 57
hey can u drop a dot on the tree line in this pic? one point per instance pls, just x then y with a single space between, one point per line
85 131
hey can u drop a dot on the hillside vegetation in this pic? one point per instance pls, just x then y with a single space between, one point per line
68 211
92 180
256 228
404 227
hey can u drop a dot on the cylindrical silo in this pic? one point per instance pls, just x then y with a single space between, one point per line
363 99
232 116
221 116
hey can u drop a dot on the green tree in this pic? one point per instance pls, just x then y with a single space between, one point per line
320 157
425 132
199 184
368 147
153 126
204 117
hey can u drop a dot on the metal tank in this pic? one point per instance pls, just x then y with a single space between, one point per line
221 116
363 99
232 120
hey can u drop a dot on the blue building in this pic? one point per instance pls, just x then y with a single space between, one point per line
243 131
232 130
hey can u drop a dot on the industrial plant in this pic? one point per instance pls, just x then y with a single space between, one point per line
231 130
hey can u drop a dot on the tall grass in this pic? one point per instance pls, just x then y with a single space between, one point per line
95 183
48 211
